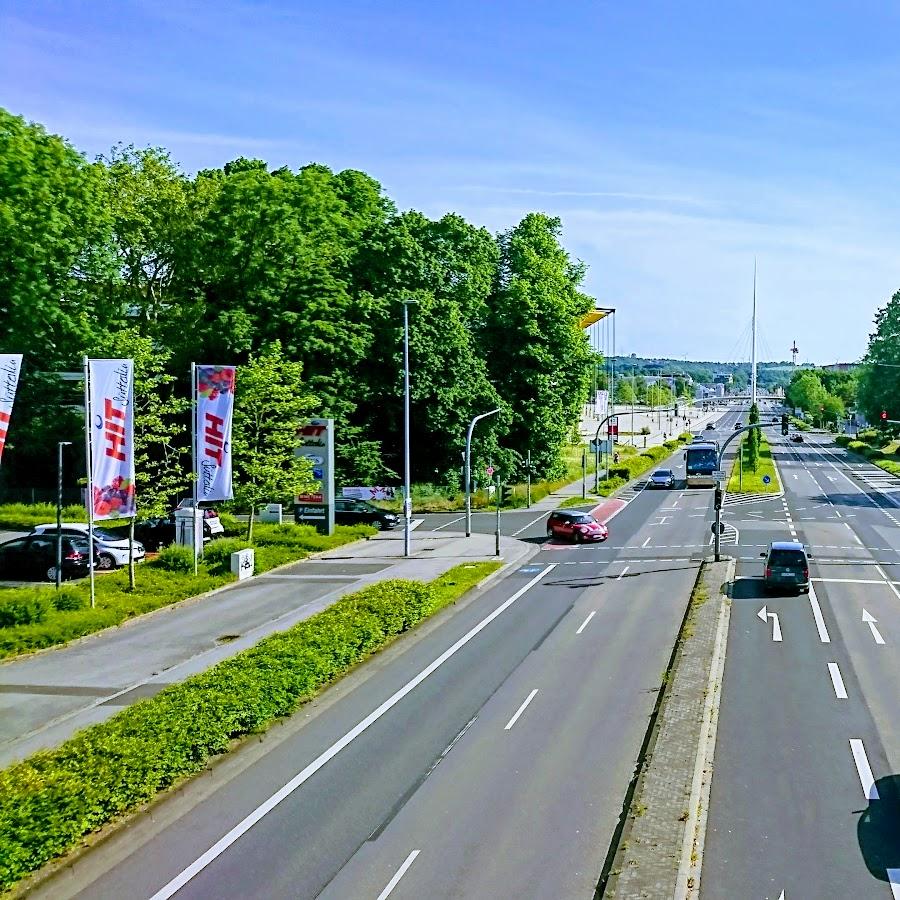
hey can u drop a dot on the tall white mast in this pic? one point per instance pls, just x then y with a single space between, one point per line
753 343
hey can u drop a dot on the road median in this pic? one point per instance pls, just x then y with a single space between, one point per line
657 850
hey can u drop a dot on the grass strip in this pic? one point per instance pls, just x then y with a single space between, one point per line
752 482
51 800
37 617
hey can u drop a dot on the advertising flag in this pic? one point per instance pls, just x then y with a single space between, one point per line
10 365
111 426
212 428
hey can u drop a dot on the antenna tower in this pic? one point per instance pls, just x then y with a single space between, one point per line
794 352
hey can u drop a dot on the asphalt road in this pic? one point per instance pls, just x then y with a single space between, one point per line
806 792
487 755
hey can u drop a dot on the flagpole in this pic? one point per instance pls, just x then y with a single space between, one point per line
194 462
88 416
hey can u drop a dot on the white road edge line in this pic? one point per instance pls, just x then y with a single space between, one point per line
448 524
621 574
864 770
645 543
282 793
538 519
837 681
817 615
584 624
888 581
398 875
523 707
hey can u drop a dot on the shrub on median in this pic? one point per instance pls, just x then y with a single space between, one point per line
843 440
49 801
859 447
30 606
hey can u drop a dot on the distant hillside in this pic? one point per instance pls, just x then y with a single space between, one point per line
769 374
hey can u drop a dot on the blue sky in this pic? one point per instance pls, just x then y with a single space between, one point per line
675 141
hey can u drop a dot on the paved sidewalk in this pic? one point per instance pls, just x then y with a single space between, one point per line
48 696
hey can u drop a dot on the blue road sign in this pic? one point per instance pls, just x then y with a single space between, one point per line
766 479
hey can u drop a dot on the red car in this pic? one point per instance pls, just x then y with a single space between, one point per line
575 526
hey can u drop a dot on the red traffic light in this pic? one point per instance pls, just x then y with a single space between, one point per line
883 414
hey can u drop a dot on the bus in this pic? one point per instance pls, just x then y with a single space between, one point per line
700 460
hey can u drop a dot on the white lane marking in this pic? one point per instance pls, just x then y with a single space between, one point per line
448 524
894 880
398 875
849 580
871 621
622 573
645 543
326 756
864 770
893 587
538 519
837 681
584 624
522 708
817 615
764 614
662 520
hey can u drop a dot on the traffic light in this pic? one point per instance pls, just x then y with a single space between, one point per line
717 500
883 415
784 423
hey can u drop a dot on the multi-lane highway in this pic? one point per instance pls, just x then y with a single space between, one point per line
806 792
486 755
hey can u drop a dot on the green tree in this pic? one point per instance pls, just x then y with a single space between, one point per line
753 439
271 403
879 378
537 353
806 392
54 245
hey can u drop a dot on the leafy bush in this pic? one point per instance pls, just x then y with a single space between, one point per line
858 447
29 606
68 599
53 798
24 516
843 440
869 435
176 558
217 554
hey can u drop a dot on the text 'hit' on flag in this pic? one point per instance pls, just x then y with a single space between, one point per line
10 366
111 426
212 428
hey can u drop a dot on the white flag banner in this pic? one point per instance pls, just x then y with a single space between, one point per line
10 366
111 426
214 403
601 404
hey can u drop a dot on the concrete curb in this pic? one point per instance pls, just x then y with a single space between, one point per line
658 848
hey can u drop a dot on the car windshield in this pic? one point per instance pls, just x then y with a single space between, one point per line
791 559
101 534
584 520
662 473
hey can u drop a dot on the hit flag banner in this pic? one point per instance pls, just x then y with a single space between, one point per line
214 408
111 427
10 366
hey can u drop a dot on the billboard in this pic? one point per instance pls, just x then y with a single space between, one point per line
10 366
110 427
214 411
315 443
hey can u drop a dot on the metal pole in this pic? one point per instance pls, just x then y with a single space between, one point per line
718 539
407 497
528 479
583 475
469 468
194 465
59 490
633 393
90 476
497 530
753 343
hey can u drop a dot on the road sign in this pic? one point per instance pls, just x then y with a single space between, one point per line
719 475
489 470
712 528
767 479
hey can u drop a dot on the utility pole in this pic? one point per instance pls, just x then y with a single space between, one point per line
59 499
468 468
407 489
753 343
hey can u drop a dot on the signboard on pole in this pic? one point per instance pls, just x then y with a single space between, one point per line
377 492
612 428
316 444
110 417
213 411
10 366
601 401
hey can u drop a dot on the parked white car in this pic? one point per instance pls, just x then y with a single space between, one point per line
112 551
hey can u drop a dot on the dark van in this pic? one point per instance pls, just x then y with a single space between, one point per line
787 567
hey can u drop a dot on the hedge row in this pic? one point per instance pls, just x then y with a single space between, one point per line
51 800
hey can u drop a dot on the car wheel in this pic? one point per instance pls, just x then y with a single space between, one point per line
576 538
105 562
51 574
378 525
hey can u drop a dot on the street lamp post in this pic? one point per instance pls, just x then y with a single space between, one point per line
468 474
59 491
407 498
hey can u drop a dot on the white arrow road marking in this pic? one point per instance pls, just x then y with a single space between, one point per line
864 770
894 880
837 681
398 875
764 614
781 895
870 620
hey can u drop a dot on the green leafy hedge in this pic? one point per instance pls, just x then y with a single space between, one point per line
843 440
51 800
